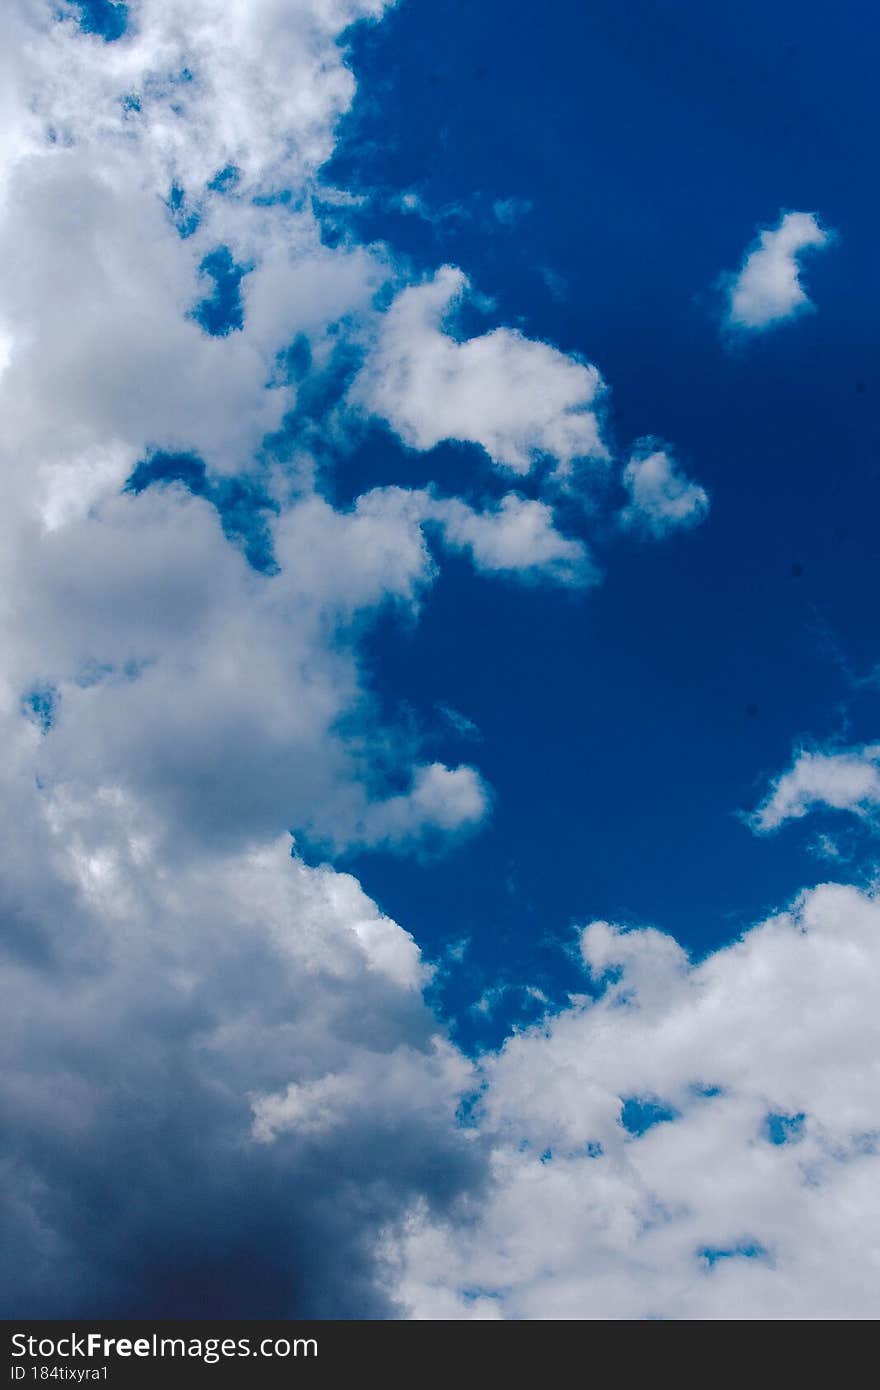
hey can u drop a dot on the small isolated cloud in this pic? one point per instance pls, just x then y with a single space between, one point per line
447 799
517 537
845 781
662 499
519 399
767 288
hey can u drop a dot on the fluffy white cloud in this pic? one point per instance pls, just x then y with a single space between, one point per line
846 781
767 288
519 399
380 1098
448 799
211 691
214 694
697 1141
260 93
518 536
167 711
184 1001
662 498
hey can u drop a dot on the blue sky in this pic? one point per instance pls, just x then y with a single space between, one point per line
624 728
438 659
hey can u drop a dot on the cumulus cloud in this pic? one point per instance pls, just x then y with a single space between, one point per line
152 1013
113 200
520 400
686 1141
182 999
515 536
215 693
448 799
662 499
260 95
169 711
767 288
844 781
224 1091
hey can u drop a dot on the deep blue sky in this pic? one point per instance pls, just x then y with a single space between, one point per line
623 729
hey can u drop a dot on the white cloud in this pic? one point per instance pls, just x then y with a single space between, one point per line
515 536
518 536
767 288
213 692
262 92
185 1002
846 781
752 1193
214 695
519 399
165 963
662 499
99 285
167 968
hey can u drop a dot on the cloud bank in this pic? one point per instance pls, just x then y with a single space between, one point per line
696 1141
223 1089
221 1081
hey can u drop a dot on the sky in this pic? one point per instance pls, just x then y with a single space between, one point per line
439 668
